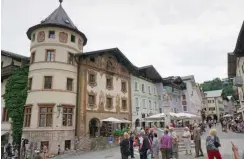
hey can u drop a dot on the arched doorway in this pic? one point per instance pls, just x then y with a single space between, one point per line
94 125
137 123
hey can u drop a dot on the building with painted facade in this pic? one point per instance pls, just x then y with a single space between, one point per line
9 62
215 106
236 69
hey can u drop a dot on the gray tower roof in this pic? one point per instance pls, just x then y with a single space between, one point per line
58 18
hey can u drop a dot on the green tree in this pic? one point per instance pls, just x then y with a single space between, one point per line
15 98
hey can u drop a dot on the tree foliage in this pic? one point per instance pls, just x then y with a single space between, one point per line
218 84
15 98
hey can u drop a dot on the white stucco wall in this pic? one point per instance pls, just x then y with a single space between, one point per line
240 72
141 96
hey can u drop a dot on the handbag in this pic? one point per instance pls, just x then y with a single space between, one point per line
216 144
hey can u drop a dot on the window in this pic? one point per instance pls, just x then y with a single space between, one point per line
183 102
211 109
92 78
91 99
155 104
150 104
149 89
33 37
183 97
27 117
142 88
137 102
159 97
71 58
4 115
109 66
136 86
109 102
2 64
50 55
48 82
124 104
69 84
32 58
160 110
46 116
154 91
92 59
144 103
46 143
51 35
67 144
109 82
67 116
30 84
72 39
123 86
185 108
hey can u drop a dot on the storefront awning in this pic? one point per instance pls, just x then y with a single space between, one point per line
4 132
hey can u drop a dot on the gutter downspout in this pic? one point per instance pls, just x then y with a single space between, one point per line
77 96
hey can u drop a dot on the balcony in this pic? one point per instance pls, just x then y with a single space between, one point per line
8 70
238 81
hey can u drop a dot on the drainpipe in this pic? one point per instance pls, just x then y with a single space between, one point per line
77 95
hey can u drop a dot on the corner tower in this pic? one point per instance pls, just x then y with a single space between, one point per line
51 102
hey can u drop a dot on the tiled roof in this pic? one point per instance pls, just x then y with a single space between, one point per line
13 55
215 93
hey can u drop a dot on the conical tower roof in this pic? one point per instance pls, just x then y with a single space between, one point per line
58 18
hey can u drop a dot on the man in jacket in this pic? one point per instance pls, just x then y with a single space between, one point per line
197 140
144 145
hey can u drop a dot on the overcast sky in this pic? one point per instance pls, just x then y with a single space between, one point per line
177 37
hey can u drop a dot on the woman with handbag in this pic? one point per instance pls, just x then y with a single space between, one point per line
212 145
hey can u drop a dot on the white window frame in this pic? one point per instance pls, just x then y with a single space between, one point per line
136 86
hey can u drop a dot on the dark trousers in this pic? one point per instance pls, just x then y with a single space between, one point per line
143 154
198 147
124 156
165 153
132 152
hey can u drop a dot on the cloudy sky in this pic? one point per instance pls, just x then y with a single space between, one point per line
177 37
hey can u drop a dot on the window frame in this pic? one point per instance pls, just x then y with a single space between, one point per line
72 37
45 82
30 81
109 107
5 117
46 106
27 116
124 101
109 78
67 113
53 51
143 88
124 88
51 34
70 58
72 84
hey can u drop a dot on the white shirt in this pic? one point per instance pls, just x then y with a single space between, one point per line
187 133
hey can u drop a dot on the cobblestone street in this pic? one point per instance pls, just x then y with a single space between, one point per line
225 149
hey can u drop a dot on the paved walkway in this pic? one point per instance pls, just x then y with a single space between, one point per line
225 149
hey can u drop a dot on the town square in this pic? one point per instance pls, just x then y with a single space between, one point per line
122 79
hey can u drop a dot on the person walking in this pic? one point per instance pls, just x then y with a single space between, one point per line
155 146
212 145
165 145
144 145
210 124
187 140
197 140
175 145
124 146
150 137
131 145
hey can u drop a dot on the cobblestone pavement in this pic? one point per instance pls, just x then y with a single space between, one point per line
225 149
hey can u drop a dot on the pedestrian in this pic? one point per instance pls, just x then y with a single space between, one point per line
44 150
150 137
124 146
155 146
187 140
212 145
175 145
210 124
132 146
165 145
171 129
59 150
144 145
197 140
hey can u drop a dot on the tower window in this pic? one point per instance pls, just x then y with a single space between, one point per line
32 58
33 37
48 82
30 83
92 59
70 58
69 85
51 35
72 38
50 55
